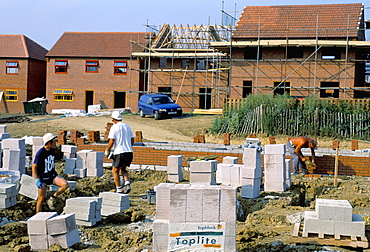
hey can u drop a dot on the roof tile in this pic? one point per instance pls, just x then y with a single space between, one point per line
20 46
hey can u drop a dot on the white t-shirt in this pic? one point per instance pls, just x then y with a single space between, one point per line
122 134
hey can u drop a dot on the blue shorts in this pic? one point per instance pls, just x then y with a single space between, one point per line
49 180
123 159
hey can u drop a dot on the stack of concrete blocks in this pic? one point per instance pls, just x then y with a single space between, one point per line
14 154
275 169
37 144
203 172
288 175
3 133
114 202
251 173
86 209
229 172
174 168
47 228
69 151
333 217
8 193
89 163
28 187
194 205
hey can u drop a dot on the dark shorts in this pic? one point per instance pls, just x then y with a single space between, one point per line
49 180
123 159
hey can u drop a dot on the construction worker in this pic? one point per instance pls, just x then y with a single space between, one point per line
121 141
43 170
294 146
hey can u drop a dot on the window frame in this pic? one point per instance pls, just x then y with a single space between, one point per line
8 67
64 66
92 64
116 67
64 95
11 95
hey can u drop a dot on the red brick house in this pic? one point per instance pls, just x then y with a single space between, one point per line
85 68
22 71
299 50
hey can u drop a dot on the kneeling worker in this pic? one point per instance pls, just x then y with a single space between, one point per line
43 170
294 146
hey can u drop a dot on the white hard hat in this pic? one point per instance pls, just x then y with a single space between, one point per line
48 137
116 115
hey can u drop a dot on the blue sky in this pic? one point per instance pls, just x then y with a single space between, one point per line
44 21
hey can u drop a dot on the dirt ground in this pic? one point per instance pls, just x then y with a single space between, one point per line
264 223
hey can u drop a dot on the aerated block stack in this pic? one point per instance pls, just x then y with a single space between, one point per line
89 163
251 173
174 168
114 202
333 217
8 193
195 218
3 133
47 228
14 154
69 151
203 172
228 172
275 169
86 209
37 144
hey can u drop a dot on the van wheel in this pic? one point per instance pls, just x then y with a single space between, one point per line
156 115
142 113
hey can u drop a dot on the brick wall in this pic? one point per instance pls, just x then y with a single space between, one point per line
347 165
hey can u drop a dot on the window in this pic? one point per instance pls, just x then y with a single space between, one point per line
63 94
282 87
185 64
11 67
162 62
200 65
11 95
251 53
92 66
61 66
120 67
330 53
295 52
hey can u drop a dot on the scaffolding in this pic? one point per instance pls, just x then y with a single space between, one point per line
180 63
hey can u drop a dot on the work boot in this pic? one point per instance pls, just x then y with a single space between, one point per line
127 187
51 202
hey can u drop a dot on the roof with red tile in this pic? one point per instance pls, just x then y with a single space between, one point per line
301 21
20 46
98 44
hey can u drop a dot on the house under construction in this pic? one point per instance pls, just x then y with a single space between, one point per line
300 50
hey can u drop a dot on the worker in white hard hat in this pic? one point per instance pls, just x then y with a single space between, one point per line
43 170
121 141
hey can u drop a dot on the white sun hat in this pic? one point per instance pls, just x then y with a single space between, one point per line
48 137
116 115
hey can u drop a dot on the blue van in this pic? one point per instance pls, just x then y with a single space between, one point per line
158 105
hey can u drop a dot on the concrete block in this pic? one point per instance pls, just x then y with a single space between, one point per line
251 191
66 148
160 235
86 214
80 172
4 136
227 203
203 166
13 143
174 164
89 223
95 155
61 224
38 242
70 162
3 128
178 200
275 149
109 209
311 223
36 225
236 175
8 189
274 186
251 173
230 160
211 203
275 168
354 228
82 154
114 196
274 159
163 201
175 177
275 177
194 204
202 178
28 187
98 172
331 209
65 240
